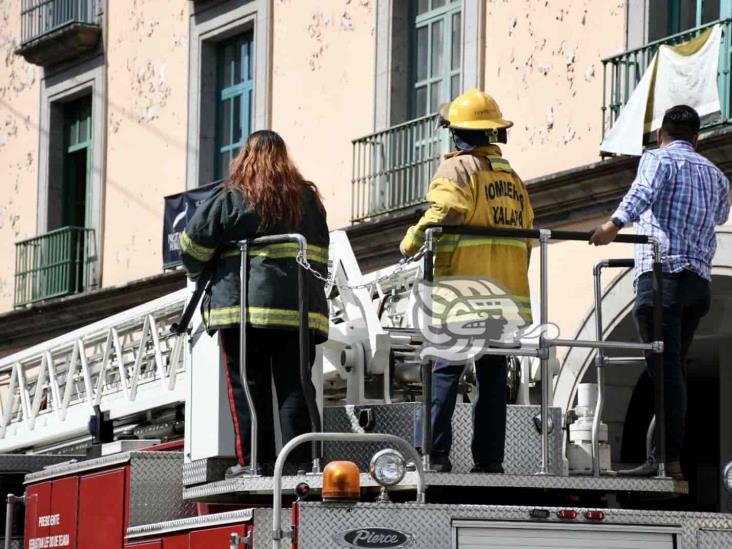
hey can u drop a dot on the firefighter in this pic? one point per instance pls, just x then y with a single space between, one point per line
476 186
264 195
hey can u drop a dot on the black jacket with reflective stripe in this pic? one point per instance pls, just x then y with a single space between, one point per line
272 300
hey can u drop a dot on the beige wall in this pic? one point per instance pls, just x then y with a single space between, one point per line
571 284
542 64
323 90
19 98
146 131
538 58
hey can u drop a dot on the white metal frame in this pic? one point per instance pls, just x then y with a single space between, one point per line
126 363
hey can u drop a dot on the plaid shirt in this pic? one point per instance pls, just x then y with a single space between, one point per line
677 197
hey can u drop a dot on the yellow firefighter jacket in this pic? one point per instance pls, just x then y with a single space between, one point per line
479 188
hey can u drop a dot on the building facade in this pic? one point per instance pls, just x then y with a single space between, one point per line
106 107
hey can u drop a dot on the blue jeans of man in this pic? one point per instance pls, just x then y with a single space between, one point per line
489 408
686 299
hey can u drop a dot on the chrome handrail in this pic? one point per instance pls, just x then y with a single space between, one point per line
544 236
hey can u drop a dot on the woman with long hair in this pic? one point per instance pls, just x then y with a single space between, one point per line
264 195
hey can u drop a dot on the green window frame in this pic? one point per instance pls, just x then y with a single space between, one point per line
77 162
681 15
437 47
234 90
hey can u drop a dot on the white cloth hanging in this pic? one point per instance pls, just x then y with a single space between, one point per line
685 74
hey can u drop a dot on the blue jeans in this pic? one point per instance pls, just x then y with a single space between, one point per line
686 299
489 408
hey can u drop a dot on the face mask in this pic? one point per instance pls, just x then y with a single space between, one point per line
467 140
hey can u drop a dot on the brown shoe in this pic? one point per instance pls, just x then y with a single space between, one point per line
673 470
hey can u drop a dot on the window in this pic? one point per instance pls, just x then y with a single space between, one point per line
234 99
437 54
229 41
61 259
77 133
669 17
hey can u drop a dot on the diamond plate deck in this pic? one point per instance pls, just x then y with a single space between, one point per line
30 463
72 467
204 521
523 441
708 538
242 486
432 526
264 485
201 471
156 489
263 529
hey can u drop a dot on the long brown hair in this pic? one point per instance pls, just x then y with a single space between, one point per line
270 181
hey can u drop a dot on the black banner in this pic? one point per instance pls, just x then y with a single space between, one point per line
179 209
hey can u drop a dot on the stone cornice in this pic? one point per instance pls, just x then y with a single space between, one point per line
24 327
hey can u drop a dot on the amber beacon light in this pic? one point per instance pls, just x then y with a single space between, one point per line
341 481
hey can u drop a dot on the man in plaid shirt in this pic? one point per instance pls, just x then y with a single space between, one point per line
678 197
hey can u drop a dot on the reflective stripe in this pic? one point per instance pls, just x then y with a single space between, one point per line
284 250
196 251
264 316
499 164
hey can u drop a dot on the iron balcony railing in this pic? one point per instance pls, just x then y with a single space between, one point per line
622 73
54 264
39 17
392 168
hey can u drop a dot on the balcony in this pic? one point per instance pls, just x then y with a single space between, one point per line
56 30
622 73
52 265
392 168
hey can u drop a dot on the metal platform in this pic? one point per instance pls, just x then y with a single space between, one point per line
30 463
203 521
239 488
523 440
73 466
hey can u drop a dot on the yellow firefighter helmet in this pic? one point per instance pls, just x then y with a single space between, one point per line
475 110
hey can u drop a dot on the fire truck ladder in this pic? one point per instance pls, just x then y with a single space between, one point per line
126 364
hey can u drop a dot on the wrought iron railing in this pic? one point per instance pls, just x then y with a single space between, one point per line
39 17
54 264
622 73
392 168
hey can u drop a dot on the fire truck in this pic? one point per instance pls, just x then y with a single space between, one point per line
118 434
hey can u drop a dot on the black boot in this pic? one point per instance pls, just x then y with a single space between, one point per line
440 463
494 468
647 469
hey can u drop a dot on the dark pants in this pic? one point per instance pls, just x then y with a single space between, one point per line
686 299
271 354
489 408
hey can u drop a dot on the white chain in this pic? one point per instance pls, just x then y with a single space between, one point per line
329 281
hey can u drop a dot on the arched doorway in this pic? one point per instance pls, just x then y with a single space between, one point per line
709 371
